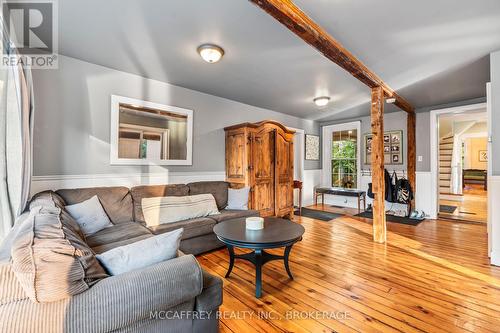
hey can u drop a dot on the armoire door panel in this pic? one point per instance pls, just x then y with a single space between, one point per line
235 152
263 170
284 172
263 194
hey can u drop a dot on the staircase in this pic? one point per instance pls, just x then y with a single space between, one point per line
445 157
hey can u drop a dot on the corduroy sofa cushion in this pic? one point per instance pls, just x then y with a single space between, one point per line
116 201
50 260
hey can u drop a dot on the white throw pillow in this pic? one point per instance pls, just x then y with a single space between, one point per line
237 199
141 254
89 215
160 210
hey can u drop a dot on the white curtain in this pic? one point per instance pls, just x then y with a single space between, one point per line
16 132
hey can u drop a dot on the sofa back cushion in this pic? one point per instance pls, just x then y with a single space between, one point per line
152 191
50 260
161 210
217 188
116 201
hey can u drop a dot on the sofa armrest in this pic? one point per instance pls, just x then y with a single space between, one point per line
211 297
120 300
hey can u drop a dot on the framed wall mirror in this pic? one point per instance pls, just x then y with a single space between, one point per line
146 133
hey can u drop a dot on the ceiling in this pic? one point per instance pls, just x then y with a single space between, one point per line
431 52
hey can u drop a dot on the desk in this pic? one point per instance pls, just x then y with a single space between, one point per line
346 192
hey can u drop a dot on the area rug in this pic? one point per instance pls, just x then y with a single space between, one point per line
391 218
318 214
447 209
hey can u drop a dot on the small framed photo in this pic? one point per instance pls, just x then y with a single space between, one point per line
395 138
387 138
369 150
395 158
395 148
483 156
387 149
312 147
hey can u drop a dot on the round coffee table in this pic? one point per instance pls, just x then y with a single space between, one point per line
276 233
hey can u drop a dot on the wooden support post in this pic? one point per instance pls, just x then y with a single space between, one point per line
412 154
378 179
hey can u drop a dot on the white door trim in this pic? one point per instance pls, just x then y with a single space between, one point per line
434 131
302 149
327 150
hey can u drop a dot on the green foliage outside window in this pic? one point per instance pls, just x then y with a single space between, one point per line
344 163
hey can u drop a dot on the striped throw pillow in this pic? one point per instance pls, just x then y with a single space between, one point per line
161 210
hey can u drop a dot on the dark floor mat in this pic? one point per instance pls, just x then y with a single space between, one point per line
447 209
391 218
318 214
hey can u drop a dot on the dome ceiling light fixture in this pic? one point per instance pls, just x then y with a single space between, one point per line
211 53
321 101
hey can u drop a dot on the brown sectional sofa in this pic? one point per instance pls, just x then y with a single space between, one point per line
123 207
123 303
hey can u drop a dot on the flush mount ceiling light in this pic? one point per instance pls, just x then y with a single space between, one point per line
210 53
321 101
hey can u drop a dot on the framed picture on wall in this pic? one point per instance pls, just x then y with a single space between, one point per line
312 147
393 148
483 156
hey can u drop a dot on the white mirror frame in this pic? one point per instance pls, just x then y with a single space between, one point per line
115 124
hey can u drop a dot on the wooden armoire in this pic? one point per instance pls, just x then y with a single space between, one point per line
260 155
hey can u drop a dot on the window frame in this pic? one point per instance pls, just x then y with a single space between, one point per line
327 141
115 128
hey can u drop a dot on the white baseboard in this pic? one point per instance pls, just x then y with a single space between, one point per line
54 182
495 258
494 219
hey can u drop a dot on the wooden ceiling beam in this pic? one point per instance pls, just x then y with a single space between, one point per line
286 12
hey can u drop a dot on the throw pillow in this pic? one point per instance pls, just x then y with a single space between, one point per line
89 215
237 199
162 210
141 254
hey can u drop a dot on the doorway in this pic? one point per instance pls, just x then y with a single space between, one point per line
461 163
298 159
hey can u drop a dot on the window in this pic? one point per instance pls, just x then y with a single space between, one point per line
344 158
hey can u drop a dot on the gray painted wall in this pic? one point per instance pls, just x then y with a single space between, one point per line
72 121
495 112
392 122
397 121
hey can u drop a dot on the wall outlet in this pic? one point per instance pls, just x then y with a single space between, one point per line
420 158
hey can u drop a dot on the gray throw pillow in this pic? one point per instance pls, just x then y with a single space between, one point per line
141 254
89 215
237 199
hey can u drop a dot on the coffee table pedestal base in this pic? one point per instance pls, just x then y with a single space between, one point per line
259 258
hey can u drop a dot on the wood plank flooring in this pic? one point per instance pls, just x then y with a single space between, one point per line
473 207
434 277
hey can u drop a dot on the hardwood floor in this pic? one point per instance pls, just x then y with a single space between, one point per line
434 277
473 207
